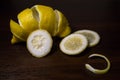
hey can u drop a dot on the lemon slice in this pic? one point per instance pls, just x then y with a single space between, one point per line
39 43
18 32
27 20
46 18
63 28
92 36
98 71
73 44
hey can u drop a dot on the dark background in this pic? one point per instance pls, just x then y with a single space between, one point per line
102 16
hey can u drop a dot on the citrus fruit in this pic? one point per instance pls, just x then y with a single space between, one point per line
18 32
39 43
39 17
98 71
73 44
92 36
27 20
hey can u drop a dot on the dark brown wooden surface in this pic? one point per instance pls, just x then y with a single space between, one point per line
102 16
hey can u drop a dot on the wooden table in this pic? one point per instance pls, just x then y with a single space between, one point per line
102 16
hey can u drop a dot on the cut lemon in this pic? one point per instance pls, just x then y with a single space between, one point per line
46 18
73 44
27 20
18 32
92 36
98 71
63 28
39 17
39 43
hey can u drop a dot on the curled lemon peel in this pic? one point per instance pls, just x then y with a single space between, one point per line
19 34
98 71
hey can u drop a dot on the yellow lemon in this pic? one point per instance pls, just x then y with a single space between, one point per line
27 20
39 17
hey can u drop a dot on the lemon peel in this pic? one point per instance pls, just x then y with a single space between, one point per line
63 28
15 40
27 21
39 43
73 44
92 36
18 32
46 18
65 32
98 71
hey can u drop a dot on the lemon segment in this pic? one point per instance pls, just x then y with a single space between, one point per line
18 31
27 21
98 71
47 18
92 36
73 44
39 43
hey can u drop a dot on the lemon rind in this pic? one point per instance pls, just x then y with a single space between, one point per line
98 71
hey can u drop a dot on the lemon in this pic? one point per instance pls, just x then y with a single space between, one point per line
63 28
98 71
46 18
27 20
39 43
73 44
92 36
39 17
18 32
